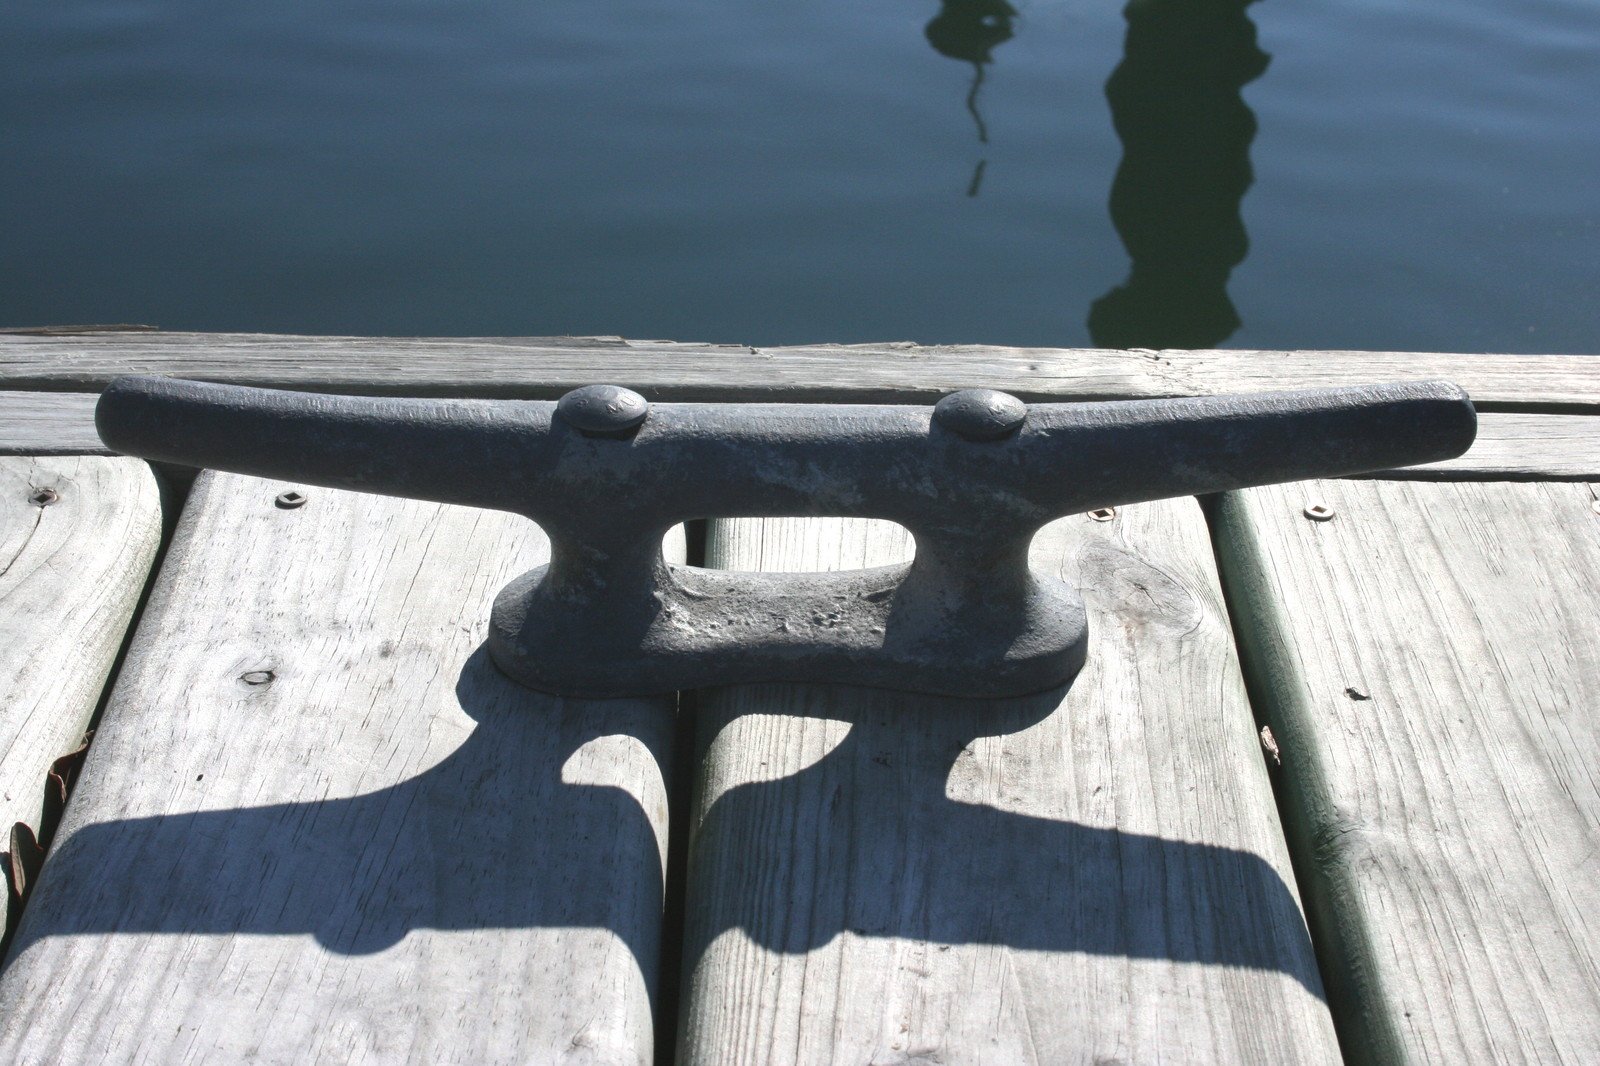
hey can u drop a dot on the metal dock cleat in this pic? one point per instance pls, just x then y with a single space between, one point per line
607 474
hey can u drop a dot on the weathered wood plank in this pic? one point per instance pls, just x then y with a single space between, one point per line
1550 383
1430 659
546 367
317 825
890 878
49 423
1520 447
71 576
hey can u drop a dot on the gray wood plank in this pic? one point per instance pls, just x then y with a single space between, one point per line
546 367
71 575
1430 658
1549 383
1513 446
317 825
49 423
876 877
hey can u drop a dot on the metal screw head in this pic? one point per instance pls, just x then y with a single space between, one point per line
44 497
603 410
980 414
1318 512
1103 514
290 500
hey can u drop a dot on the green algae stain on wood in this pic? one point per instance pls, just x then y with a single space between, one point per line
1428 660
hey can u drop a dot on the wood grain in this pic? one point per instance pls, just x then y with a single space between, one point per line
49 423
318 826
1429 659
71 575
876 877
664 370
1520 447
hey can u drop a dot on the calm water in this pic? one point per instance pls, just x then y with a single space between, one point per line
1319 173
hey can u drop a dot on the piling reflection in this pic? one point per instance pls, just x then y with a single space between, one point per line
970 30
1177 106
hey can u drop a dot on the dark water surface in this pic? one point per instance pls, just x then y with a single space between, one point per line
1324 173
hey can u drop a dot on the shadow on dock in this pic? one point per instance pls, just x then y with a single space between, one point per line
1177 105
491 837
866 841
496 837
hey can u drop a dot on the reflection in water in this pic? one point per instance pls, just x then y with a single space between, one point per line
1186 132
977 177
969 30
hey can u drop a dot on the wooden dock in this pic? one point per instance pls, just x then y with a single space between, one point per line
1326 791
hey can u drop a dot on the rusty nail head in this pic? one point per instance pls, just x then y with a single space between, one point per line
290 500
1103 514
44 497
980 414
603 410
1318 512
